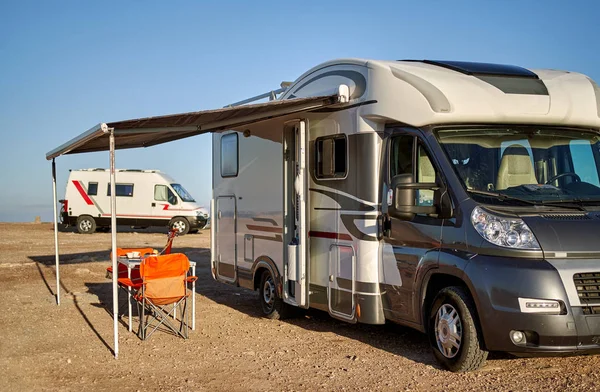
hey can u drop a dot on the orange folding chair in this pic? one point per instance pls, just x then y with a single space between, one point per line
162 290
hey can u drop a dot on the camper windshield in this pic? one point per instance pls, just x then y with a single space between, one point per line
530 165
185 196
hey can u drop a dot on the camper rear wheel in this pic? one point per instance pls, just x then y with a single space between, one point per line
272 306
454 332
181 225
86 224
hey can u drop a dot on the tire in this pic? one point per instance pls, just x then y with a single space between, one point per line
454 331
272 306
181 224
86 224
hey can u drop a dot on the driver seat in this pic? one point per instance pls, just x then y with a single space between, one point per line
515 168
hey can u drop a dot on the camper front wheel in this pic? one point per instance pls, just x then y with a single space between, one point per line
454 332
86 224
181 225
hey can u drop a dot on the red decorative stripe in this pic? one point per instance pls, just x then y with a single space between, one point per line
166 207
330 235
141 216
83 194
267 229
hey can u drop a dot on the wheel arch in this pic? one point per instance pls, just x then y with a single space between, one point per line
265 263
436 280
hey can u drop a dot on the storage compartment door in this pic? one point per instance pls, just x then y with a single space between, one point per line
225 238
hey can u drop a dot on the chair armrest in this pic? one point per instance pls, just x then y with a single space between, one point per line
134 284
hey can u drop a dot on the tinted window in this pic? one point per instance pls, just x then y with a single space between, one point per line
125 190
229 155
331 157
92 188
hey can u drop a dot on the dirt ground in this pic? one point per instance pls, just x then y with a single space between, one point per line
68 347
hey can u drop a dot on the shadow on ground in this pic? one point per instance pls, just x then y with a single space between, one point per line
395 339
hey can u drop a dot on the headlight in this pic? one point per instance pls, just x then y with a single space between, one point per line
507 232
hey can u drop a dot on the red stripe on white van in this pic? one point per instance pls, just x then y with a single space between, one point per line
83 194
166 207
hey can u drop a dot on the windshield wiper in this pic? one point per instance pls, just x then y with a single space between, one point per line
501 196
550 203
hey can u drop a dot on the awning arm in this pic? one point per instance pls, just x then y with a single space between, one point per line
77 141
57 269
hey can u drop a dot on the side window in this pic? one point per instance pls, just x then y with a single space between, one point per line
163 193
122 190
425 174
403 162
401 151
582 155
160 193
92 188
229 155
331 157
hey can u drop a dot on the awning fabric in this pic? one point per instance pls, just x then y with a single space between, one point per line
149 131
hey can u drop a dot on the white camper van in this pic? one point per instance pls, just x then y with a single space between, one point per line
461 199
144 198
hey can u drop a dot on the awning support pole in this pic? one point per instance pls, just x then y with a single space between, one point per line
113 226
56 233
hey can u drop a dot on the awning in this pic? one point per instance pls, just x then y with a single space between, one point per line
145 132
149 131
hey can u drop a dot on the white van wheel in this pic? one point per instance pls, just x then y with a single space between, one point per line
181 225
86 224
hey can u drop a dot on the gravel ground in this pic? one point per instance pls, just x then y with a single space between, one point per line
68 347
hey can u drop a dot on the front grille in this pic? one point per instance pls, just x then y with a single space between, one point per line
588 310
588 287
566 217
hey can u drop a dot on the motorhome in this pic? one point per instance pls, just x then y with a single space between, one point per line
461 199
144 198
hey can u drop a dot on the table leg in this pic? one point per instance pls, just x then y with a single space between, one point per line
128 295
194 300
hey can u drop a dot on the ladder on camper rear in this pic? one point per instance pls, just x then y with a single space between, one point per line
272 95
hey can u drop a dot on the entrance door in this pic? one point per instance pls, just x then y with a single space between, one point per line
225 236
340 290
296 249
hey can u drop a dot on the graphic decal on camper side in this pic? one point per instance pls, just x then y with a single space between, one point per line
83 193
267 229
347 203
330 235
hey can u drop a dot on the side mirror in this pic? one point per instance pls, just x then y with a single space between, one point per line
404 201
403 197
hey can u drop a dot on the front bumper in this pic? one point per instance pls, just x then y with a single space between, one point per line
198 222
498 283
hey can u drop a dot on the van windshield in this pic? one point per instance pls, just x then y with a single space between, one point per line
185 196
532 164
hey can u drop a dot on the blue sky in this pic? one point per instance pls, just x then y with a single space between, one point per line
68 65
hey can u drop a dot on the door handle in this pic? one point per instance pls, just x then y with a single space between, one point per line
153 204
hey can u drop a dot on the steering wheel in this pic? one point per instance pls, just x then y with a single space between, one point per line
567 174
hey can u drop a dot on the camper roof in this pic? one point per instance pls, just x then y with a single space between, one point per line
428 92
